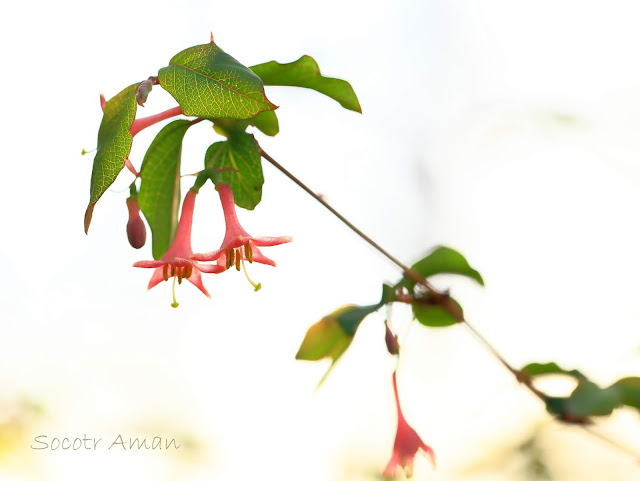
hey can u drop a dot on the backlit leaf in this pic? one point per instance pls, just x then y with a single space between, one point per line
207 82
114 145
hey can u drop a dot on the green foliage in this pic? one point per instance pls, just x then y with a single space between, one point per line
330 337
236 162
159 197
114 145
587 399
207 82
538 369
433 315
266 122
305 72
442 260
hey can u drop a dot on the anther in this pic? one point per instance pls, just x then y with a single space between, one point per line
165 272
230 257
248 252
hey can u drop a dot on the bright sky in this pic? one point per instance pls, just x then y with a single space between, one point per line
504 129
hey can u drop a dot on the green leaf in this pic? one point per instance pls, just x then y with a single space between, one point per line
332 335
442 260
305 72
588 399
114 145
159 197
267 122
629 389
388 294
538 369
207 82
243 170
433 315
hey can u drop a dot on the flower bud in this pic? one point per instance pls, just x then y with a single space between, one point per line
136 231
391 340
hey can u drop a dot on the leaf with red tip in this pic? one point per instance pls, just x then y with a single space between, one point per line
114 145
207 82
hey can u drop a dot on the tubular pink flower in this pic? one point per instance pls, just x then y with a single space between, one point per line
176 262
143 123
406 444
238 245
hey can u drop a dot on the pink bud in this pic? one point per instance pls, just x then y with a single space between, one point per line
136 231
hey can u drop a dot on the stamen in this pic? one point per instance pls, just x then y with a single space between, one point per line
239 257
230 257
165 272
248 252
179 272
187 271
173 270
174 304
256 287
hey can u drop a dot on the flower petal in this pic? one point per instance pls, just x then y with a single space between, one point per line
270 241
156 278
196 279
149 264
210 268
430 454
208 256
261 258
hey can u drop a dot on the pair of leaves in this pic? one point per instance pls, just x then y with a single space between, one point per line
442 260
587 399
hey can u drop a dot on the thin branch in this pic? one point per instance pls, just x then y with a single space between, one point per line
440 298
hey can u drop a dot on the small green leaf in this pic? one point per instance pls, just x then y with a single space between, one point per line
236 162
442 260
114 145
207 82
266 122
629 389
305 72
433 315
159 197
332 335
538 369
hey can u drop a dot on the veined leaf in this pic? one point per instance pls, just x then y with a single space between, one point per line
207 82
305 72
159 197
433 315
236 162
114 145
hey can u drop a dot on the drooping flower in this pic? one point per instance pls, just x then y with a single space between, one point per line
238 245
406 444
176 262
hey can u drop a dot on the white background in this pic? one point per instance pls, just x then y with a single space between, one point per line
506 130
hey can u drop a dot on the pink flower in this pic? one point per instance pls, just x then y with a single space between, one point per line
406 444
176 261
238 245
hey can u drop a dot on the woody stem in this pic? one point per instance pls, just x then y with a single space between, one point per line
438 297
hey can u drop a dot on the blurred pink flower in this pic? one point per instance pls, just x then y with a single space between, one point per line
406 444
